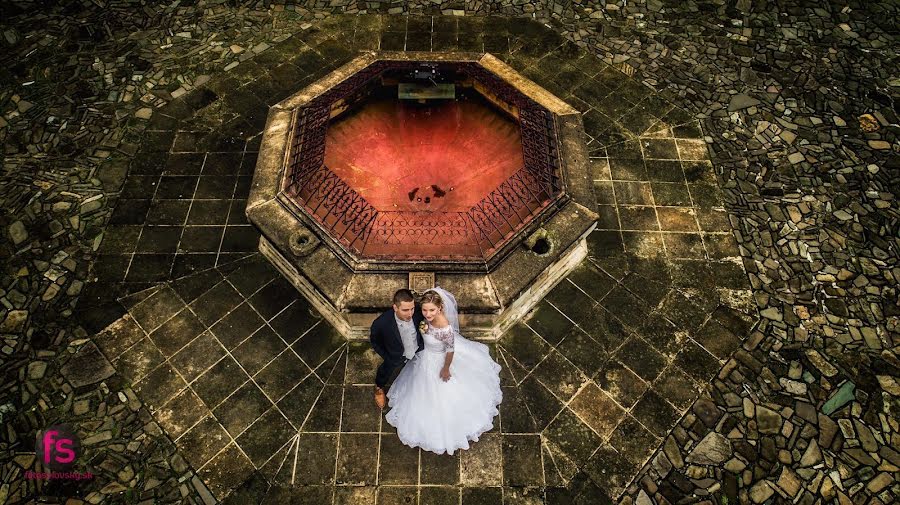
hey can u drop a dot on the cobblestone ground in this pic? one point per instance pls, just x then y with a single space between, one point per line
795 398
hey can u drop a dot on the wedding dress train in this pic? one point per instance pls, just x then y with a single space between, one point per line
439 416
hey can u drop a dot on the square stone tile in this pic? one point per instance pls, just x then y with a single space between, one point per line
119 336
295 320
598 410
355 495
629 169
240 239
625 306
478 465
397 495
681 219
180 413
177 332
222 379
226 471
662 149
634 441
684 245
201 239
677 387
362 361
540 401
664 336
523 496
665 171
583 351
604 193
399 463
252 275
570 300
697 362
692 149
672 194
548 322
258 350
523 344
168 213
242 408
638 218
606 329
522 460
621 383
317 344
193 285
717 339
593 281
559 376
644 244
641 358
192 360
439 495
203 441
281 375
298 402
600 169
646 289
633 193
156 309
705 196
685 312
138 360
159 386
514 414
360 413
216 302
326 413
237 325
720 245
573 437
608 217
610 470
440 469
714 220
481 496
267 435
316 456
656 413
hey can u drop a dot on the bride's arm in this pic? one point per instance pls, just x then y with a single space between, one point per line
448 354
445 372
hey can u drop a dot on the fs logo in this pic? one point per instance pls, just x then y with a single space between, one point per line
57 447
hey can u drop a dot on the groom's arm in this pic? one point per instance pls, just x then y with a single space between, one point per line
375 338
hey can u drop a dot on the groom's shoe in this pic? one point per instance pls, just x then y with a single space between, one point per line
380 399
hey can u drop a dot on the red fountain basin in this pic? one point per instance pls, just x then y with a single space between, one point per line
405 156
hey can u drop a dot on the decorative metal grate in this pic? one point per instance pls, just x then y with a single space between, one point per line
473 235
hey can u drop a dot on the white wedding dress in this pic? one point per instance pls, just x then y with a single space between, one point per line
439 416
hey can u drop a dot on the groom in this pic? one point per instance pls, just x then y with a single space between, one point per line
395 337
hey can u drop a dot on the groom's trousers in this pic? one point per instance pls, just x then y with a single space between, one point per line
387 370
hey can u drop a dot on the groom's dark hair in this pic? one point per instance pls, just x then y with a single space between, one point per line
403 295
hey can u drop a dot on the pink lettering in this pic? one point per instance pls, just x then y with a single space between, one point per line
62 449
48 443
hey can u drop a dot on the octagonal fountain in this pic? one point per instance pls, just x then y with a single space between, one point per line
412 169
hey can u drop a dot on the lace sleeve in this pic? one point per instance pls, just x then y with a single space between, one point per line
446 338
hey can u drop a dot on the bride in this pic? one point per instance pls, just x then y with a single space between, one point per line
448 394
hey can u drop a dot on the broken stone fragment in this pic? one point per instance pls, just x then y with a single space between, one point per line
839 398
712 450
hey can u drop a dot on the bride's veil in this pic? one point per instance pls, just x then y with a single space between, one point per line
450 308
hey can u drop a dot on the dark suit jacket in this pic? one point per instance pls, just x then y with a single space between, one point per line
385 336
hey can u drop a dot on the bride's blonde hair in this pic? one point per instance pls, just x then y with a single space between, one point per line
432 297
